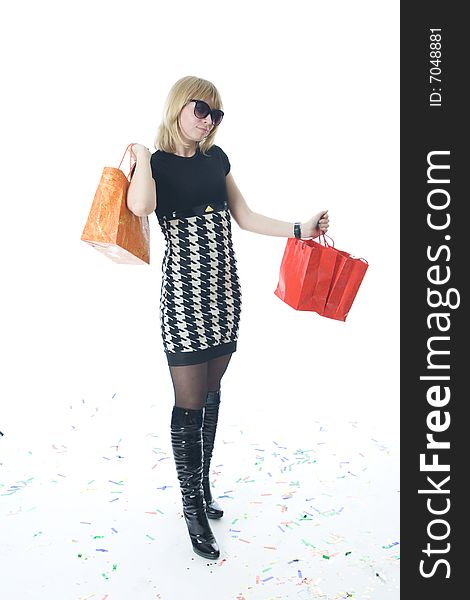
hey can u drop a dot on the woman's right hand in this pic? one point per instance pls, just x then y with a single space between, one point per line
138 151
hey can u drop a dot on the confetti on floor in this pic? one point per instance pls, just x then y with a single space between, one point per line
91 506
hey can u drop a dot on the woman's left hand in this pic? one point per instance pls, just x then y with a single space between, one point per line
316 225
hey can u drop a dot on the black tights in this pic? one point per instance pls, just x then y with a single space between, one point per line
192 382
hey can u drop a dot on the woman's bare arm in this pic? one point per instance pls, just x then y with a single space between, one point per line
142 191
257 223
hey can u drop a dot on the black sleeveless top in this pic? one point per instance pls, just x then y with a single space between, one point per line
186 182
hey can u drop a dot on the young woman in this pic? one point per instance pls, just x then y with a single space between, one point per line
188 184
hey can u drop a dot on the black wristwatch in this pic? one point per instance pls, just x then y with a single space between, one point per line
297 231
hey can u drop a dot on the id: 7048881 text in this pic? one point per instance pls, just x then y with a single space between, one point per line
435 71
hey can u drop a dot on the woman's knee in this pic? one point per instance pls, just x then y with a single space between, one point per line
215 371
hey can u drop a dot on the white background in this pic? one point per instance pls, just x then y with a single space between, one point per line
311 100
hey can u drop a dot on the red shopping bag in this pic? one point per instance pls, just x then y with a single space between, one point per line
345 283
305 275
319 277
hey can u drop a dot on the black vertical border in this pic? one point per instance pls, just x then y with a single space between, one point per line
425 129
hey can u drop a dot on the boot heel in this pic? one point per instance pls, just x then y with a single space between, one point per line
186 439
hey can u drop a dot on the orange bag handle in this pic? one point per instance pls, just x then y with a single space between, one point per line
129 147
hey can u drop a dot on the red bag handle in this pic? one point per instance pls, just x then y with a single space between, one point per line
324 236
333 245
129 147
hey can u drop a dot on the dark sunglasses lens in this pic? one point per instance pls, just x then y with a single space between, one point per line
201 110
217 116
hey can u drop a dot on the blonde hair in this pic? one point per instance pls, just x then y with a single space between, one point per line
169 132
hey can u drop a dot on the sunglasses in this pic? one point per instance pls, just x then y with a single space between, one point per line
202 109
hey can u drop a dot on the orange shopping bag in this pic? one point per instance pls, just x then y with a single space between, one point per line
111 227
305 275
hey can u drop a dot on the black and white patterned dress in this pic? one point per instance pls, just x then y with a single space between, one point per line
200 301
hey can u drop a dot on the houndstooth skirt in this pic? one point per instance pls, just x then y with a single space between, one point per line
200 301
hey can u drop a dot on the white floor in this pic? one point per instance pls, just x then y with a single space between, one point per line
91 509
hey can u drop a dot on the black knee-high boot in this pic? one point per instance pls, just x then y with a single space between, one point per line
209 427
186 439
